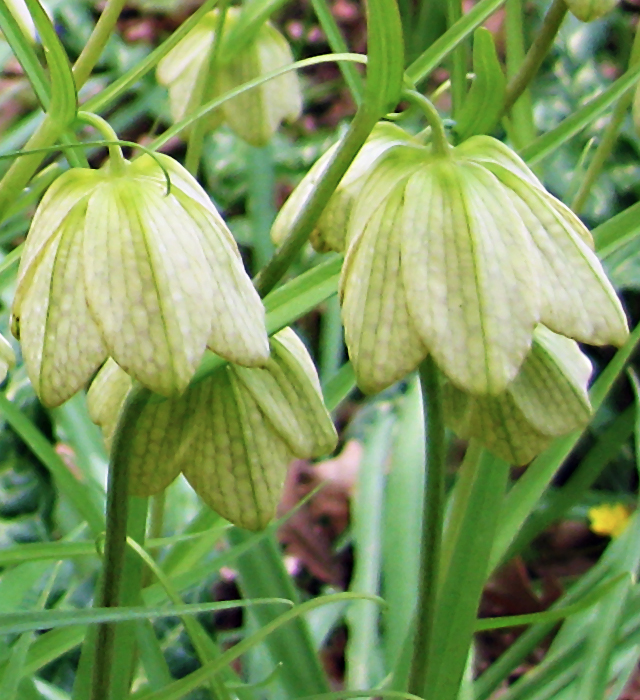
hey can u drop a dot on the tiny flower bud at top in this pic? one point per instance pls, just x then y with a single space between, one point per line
461 253
113 266
254 115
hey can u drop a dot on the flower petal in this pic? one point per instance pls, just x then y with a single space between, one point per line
288 392
470 274
61 344
239 462
63 195
578 299
148 286
383 342
106 396
551 389
496 422
238 332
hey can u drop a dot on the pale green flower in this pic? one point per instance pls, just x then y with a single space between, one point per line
547 399
232 435
461 255
254 115
331 228
114 266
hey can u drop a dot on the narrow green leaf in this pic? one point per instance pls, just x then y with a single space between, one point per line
64 99
548 142
483 102
13 623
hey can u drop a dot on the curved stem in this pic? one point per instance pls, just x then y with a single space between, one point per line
432 524
117 160
115 545
359 131
537 53
94 47
439 139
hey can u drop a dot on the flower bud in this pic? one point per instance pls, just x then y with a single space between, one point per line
547 399
330 231
232 435
460 255
113 266
254 115
588 10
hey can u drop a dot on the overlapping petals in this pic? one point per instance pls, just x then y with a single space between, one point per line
232 435
461 255
114 266
548 398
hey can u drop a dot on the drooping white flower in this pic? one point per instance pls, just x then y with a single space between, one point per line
114 266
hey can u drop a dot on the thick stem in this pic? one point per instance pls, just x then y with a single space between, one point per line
360 128
537 53
115 545
432 524
93 49
438 137
610 136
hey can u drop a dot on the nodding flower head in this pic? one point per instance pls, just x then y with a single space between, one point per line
114 266
232 434
461 255
254 115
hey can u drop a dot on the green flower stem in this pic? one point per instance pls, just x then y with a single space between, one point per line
205 90
115 545
432 524
358 132
117 160
610 136
537 53
522 129
439 139
458 61
97 41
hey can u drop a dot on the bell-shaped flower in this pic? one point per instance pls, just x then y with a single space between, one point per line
232 434
254 115
547 399
461 254
331 228
116 266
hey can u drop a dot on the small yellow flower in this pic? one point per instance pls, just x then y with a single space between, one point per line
609 520
254 115
233 434
114 266
461 255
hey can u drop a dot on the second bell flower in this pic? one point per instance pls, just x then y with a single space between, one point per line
116 266
460 254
